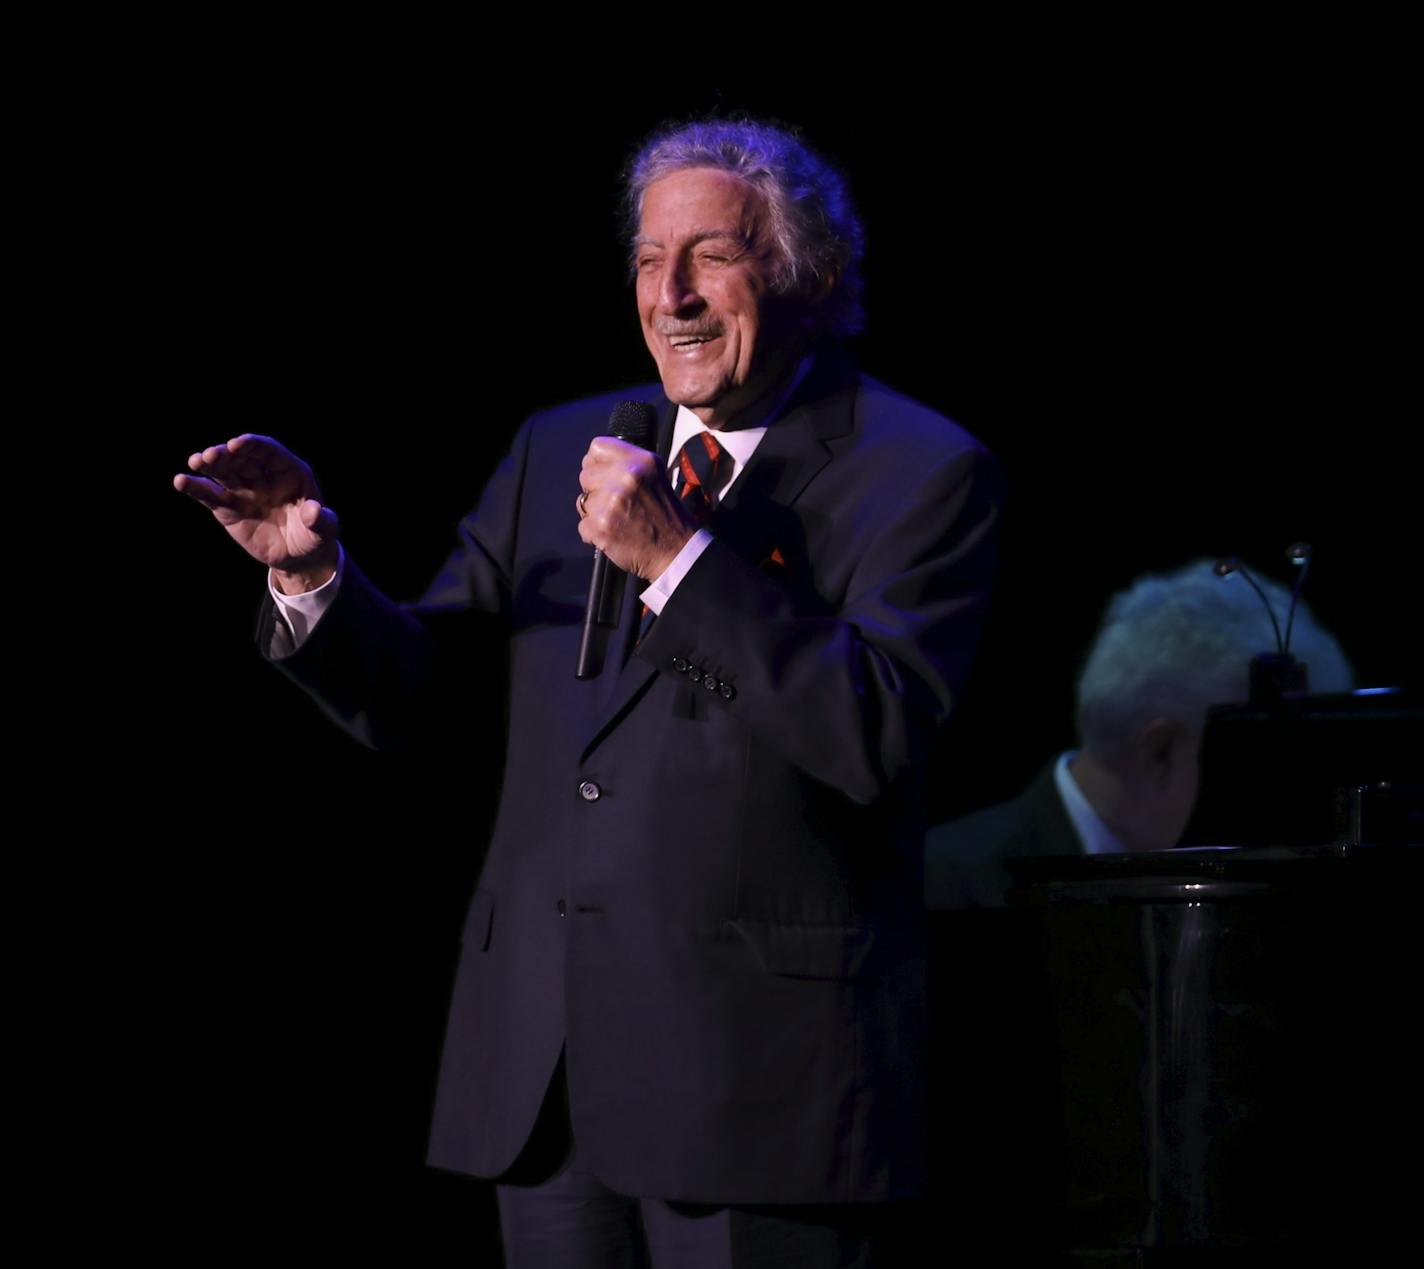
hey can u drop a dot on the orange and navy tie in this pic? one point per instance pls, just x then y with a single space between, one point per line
703 468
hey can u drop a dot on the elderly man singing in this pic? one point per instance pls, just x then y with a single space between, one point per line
695 955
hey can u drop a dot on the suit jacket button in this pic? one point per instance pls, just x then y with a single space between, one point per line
710 683
726 691
679 665
560 908
694 672
589 791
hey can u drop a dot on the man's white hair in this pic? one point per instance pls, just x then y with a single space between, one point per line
1173 644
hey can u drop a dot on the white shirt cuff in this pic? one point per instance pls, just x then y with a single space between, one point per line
660 589
300 613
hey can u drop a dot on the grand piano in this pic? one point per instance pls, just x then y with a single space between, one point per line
1204 1055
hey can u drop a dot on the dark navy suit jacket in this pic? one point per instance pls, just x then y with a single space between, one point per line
705 880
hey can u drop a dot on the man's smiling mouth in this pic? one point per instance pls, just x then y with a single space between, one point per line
686 343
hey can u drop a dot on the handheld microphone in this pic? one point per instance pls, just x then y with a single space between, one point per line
637 423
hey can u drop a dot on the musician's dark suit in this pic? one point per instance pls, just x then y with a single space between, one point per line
705 877
966 860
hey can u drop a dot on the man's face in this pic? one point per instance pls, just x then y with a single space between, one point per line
705 267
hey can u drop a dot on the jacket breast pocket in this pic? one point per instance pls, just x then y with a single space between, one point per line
807 951
479 922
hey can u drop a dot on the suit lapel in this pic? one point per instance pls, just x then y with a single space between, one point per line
750 520
751 517
1049 817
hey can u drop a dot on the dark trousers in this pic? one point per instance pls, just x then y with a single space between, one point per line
575 1222
554 1215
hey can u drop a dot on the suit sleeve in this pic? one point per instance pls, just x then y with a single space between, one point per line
373 665
852 697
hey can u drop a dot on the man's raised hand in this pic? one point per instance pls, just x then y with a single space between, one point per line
269 502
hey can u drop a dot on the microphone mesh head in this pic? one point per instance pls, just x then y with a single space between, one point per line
635 422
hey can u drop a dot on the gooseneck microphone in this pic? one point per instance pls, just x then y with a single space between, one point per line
1230 565
637 423
1274 676
1299 556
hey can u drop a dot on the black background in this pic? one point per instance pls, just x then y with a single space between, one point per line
1169 292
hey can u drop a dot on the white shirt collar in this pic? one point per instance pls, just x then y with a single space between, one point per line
741 442
1096 836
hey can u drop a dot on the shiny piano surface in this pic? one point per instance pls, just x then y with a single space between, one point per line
1201 1052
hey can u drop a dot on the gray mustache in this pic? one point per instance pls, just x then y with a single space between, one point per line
675 328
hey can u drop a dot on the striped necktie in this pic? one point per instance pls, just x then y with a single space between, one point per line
702 471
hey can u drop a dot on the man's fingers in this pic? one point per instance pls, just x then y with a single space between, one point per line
604 452
610 448
211 494
251 447
255 443
260 457
261 453
256 463
614 464
217 462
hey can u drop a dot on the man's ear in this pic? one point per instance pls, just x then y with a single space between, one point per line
1162 744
